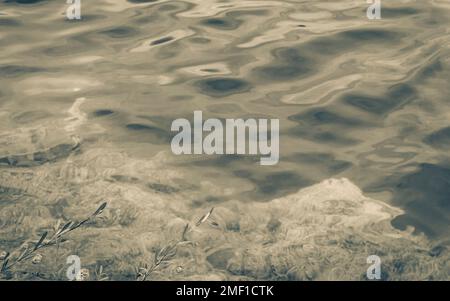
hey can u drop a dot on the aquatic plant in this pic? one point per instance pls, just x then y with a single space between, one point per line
27 251
168 252
163 256
100 275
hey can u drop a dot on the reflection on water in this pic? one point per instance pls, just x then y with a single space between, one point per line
86 108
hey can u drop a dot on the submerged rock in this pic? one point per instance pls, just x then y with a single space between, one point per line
322 232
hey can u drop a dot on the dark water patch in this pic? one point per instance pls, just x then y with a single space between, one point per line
104 112
40 157
273 225
323 116
292 56
200 40
163 122
161 135
396 96
168 7
371 35
139 127
162 188
349 40
161 41
397 12
274 184
289 64
225 23
210 70
437 251
209 200
16 70
333 138
402 92
54 153
9 22
424 194
322 136
125 179
283 72
327 46
321 161
429 71
220 87
147 19
369 104
439 139
120 32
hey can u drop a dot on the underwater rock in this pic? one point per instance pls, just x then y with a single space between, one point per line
310 235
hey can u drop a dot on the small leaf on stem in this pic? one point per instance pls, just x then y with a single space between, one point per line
41 240
100 209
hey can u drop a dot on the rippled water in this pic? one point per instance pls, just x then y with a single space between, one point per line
86 107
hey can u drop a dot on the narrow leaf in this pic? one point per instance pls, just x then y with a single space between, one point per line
65 227
76 225
5 265
186 228
204 217
21 256
100 209
57 225
39 243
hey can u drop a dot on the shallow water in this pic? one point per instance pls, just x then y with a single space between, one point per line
86 105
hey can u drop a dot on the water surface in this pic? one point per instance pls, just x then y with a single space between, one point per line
86 106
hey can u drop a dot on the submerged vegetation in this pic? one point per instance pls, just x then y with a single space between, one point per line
30 250
322 232
168 252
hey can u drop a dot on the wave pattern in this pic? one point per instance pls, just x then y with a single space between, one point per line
86 109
